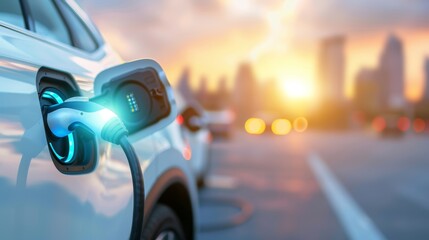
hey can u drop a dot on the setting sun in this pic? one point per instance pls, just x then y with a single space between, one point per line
297 89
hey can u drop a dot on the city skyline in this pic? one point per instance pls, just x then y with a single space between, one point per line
279 39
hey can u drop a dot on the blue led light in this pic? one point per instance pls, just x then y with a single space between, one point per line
57 99
132 102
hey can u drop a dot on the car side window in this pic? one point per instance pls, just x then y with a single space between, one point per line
11 12
48 21
81 35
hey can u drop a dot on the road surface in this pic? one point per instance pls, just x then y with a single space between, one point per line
320 185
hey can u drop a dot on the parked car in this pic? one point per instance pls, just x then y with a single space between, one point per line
52 42
197 138
220 122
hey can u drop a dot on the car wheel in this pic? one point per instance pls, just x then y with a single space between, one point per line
163 224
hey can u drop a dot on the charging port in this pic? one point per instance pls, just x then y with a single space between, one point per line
76 153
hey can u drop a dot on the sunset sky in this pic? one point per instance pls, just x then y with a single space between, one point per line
279 37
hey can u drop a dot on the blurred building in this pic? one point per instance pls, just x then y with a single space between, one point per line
332 110
422 107
202 92
188 95
332 64
245 93
367 92
219 99
223 94
426 74
391 67
381 90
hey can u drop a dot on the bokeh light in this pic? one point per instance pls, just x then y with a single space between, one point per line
419 125
300 124
281 126
180 119
255 126
378 124
403 124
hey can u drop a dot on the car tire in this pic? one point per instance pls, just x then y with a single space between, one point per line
163 224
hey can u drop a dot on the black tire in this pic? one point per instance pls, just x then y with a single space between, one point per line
163 224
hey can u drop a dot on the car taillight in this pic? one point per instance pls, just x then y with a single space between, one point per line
403 124
180 119
379 124
419 125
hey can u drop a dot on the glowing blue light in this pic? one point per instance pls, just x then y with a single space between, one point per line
57 99
132 102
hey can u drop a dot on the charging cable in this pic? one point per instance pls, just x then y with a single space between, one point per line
62 119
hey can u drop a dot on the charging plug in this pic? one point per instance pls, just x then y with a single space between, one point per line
75 112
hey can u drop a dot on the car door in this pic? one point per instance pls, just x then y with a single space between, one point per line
37 201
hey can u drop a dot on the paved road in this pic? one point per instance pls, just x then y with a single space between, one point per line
316 185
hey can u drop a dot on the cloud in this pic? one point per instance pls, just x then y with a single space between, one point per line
318 18
163 27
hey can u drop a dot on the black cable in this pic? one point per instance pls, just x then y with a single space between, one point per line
138 187
246 211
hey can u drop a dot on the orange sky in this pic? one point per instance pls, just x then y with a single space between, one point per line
279 37
365 51
216 57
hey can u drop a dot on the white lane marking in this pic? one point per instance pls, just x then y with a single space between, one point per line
221 182
356 224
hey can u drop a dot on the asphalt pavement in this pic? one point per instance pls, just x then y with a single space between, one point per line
318 185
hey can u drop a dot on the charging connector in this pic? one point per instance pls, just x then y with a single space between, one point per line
62 119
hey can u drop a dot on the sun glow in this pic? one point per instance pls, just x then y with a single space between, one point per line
297 89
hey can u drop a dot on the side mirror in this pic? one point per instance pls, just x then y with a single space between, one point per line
192 119
139 93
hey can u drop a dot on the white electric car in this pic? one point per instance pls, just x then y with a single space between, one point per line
197 138
193 120
49 52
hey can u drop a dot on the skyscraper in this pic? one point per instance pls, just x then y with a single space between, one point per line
331 68
391 67
367 94
245 99
422 107
184 87
332 110
426 72
202 92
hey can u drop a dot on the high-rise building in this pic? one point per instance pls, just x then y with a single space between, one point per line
367 94
391 67
222 93
202 92
422 107
426 72
245 94
188 95
332 63
331 111
381 90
